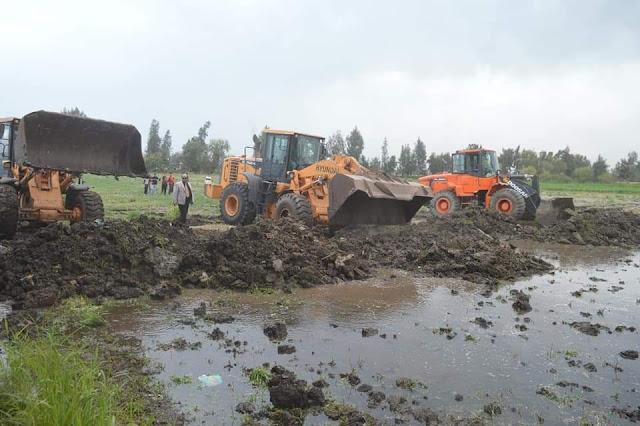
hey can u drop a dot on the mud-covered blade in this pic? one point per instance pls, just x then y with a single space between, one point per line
560 208
355 199
76 144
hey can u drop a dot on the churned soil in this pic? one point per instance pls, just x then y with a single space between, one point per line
127 259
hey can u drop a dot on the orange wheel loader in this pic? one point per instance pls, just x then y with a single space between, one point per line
292 178
476 178
44 153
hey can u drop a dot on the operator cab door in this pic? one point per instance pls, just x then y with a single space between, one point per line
472 169
275 158
5 148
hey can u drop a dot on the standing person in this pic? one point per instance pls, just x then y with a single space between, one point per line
146 185
164 184
171 180
154 184
183 197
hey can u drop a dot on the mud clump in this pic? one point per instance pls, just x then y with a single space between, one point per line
492 409
286 349
521 304
368 332
588 328
287 392
276 332
629 354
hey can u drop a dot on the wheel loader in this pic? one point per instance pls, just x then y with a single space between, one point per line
476 177
44 154
292 178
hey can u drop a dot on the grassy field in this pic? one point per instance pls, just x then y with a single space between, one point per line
124 198
632 188
619 195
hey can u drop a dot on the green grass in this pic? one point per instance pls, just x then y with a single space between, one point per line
259 377
125 199
57 380
631 188
182 380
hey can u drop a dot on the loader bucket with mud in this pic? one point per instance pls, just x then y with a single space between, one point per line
77 144
363 200
560 208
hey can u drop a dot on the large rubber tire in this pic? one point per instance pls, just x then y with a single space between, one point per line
294 205
508 201
235 207
445 202
9 211
89 206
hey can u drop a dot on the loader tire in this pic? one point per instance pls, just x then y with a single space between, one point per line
509 202
445 202
235 207
86 206
294 205
9 211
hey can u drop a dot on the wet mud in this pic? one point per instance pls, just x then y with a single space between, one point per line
466 318
412 349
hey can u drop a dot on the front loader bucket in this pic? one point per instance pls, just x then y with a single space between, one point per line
555 209
361 200
76 144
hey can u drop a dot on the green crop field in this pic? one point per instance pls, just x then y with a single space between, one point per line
124 198
631 188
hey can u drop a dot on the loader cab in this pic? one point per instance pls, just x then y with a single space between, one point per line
285 151
8 127
476 162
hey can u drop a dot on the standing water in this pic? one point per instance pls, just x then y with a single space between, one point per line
447 345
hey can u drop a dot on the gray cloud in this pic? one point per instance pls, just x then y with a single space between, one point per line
544 74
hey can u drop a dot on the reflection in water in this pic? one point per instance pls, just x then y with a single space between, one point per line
426 332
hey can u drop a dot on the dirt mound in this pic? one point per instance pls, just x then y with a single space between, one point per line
279 254
120 259
597 227
446 248
128 259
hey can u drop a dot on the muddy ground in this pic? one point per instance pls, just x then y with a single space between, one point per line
128 259
472 249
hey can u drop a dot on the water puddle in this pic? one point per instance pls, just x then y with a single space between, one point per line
535 366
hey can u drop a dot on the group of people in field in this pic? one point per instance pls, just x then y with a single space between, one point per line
151 184
182 197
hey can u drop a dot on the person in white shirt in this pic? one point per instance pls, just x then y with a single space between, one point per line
183 197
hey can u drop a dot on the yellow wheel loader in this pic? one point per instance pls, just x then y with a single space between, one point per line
292 178
44 153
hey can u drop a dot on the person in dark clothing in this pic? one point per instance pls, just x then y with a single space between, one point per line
146 185
164 184
183 197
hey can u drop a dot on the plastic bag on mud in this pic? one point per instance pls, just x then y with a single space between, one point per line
210 380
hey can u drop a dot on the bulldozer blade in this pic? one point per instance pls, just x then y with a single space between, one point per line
363 200
549 211
79 145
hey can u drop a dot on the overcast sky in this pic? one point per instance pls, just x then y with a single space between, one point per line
542 74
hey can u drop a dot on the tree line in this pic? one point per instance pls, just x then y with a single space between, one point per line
201 154
560 166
